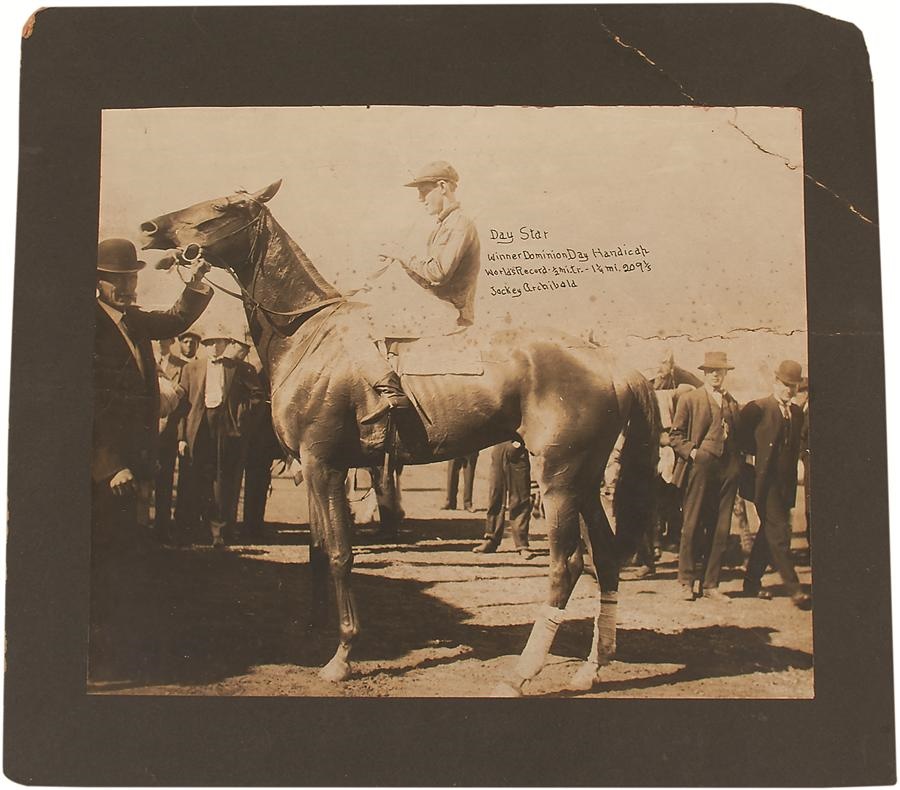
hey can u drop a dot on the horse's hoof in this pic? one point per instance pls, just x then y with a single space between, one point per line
585 678
506 689
335 671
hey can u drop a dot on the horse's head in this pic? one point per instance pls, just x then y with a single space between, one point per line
225 227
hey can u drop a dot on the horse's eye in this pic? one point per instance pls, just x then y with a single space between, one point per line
220 207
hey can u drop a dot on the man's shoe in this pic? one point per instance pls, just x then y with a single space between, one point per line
687 592
448 506
802 601
525 553
485 547
715 594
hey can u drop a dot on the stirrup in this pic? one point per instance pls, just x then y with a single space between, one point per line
388 403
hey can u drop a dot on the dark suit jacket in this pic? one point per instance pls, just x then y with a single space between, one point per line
126 403
243 397
762 424
692 421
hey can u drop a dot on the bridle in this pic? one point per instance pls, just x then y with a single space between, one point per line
192 252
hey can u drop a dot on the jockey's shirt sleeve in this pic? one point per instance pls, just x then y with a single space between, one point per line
447 247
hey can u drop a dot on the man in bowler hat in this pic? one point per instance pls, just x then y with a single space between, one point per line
126 421
225 396
704 436
772 428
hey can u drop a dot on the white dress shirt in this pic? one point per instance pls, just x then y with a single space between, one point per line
215 383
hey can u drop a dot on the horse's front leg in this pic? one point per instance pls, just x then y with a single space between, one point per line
566 565
327 487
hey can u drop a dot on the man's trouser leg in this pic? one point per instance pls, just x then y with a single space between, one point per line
775 538
469 479
204 466
519 483
694 495
496 510
452 483
728 478
257 479
168 452
119 575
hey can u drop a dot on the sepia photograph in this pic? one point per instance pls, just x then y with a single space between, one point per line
451 402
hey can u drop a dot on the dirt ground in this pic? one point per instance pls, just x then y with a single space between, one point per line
437 620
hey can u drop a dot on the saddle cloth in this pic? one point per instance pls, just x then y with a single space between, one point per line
458 354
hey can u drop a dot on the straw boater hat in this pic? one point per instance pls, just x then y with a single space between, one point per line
716 360
118 256
789 372
190 333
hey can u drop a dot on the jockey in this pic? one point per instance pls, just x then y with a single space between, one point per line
447 273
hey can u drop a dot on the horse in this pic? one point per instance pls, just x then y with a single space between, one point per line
554 392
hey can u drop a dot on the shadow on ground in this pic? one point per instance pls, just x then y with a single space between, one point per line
199 616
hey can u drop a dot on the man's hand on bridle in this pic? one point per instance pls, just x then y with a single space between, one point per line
196 270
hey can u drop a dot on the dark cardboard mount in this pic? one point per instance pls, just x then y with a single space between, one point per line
77 62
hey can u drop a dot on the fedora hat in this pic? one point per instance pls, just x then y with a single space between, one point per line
716 360
434 172
118 256
789 372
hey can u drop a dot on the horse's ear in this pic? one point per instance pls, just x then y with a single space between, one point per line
267 193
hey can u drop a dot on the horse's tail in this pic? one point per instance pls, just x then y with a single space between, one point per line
634 503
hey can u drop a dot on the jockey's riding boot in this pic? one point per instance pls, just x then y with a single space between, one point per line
392 397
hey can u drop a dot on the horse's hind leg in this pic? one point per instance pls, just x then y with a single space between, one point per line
327 487
566 565
318 564
603 645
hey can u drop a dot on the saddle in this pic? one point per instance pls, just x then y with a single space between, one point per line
456 354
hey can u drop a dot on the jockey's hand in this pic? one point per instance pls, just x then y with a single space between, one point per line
183 449
390 251
196 270
122 482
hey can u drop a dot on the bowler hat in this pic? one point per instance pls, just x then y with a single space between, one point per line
716 360
118 256
789 372
434 172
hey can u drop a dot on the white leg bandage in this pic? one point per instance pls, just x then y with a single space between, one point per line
603 645
542 633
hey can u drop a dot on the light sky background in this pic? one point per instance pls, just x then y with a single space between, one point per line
723 221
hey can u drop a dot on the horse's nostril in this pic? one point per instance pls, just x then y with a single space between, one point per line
149 228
